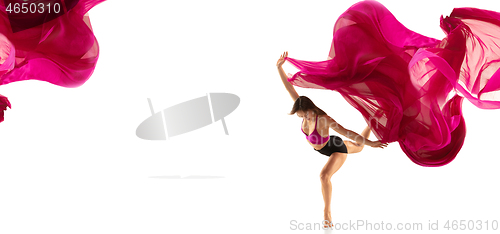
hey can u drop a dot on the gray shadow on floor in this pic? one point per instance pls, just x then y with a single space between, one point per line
187 177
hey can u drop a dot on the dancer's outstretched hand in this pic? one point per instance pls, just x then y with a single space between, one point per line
377 144
282 59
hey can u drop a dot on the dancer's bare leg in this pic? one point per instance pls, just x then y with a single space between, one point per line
353 147
332 165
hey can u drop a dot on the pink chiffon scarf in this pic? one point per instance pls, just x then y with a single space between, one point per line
59 49
409 87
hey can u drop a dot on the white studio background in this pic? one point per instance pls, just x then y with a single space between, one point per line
70 161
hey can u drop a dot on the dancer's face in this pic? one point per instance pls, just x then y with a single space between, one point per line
307 115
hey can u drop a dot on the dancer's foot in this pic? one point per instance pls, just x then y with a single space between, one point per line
327 221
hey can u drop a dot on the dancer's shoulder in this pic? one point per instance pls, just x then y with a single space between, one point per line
329 122
326 119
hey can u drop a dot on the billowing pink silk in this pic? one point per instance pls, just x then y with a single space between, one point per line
405 84
62 51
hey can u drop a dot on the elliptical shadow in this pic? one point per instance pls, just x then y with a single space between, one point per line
187 177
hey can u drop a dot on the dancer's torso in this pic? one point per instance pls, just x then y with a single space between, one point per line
308 128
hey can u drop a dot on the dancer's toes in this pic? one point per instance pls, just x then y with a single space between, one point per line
327 222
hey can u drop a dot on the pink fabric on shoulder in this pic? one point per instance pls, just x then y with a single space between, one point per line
409 87
59 48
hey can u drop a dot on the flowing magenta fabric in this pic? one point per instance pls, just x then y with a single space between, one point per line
409 87
61 50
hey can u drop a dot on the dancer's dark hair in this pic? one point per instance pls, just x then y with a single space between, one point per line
304 104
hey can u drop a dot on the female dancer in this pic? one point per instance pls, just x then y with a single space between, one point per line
317 135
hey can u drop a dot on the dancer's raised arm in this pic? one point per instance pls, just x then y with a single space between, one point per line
288 86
